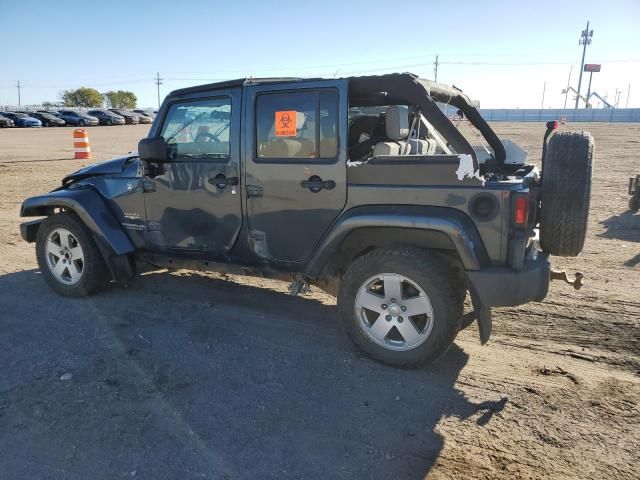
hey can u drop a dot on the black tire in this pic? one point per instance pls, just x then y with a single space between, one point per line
634 203
82 123
46 124
95 274
435 277
566 193
108 123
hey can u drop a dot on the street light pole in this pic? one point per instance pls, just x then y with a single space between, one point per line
585 39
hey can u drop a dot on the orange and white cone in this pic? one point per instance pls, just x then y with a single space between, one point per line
81 144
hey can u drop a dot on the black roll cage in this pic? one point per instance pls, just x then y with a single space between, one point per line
409 89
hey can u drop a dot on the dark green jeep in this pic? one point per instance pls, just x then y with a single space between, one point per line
362 186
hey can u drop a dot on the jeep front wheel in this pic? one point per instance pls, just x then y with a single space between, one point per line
68 257
401 305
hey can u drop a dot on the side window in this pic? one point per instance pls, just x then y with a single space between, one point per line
297 125
198 128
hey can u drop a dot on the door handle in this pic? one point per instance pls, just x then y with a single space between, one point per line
222 181
315 184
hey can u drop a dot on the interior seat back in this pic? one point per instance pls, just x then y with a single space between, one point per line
397 131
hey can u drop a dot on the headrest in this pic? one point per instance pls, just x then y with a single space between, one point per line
397 122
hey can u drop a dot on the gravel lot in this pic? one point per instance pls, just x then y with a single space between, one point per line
185 375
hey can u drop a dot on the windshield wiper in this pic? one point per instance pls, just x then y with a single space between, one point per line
185 125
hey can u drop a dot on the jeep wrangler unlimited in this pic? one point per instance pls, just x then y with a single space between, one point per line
362 186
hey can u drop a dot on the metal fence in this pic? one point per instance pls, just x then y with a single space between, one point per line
543 115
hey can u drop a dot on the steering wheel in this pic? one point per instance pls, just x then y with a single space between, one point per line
206 137
203 138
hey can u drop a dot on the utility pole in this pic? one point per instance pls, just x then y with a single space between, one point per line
617 97
628 93
435 69
18 86
158 83
544 89
566 93
585 39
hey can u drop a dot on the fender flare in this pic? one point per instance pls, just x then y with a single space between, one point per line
457 226
88 204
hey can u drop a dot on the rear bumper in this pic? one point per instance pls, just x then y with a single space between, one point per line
505 286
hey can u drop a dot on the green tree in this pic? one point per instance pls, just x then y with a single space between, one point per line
120 99
82 97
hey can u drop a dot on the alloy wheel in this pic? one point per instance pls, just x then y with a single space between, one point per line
394 311
65 257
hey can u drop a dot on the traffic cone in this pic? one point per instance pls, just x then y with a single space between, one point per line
81 144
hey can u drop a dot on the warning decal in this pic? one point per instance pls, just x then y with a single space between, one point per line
286 123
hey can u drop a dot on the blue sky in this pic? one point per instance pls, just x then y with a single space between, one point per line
499 52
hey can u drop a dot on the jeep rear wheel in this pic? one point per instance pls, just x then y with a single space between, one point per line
566 193
401 305
68 257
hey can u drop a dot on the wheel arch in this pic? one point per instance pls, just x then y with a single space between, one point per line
363 229
92 210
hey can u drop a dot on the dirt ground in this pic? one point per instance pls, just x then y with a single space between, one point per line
190 375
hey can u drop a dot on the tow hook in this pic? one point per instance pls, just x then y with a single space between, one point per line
575 280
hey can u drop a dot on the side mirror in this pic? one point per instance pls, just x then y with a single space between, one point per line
153 149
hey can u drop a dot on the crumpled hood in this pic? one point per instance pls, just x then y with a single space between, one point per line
109 167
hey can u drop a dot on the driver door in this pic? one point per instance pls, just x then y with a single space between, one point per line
193 202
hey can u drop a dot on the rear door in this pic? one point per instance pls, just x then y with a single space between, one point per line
295 161
193 203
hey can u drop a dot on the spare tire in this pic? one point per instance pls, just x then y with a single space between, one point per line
566 193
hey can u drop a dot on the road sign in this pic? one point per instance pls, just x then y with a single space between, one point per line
592 67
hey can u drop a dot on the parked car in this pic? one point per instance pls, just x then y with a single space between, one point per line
47 119
106 117
145 113
145 119
23 120
5 121
79 119
130 117
399 225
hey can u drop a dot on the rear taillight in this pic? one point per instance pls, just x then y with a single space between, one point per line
521 211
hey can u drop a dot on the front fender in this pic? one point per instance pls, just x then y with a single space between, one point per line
92 210
457 226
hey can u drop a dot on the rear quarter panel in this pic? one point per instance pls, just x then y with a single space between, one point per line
433 181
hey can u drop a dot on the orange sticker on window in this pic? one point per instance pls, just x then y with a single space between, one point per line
286 123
